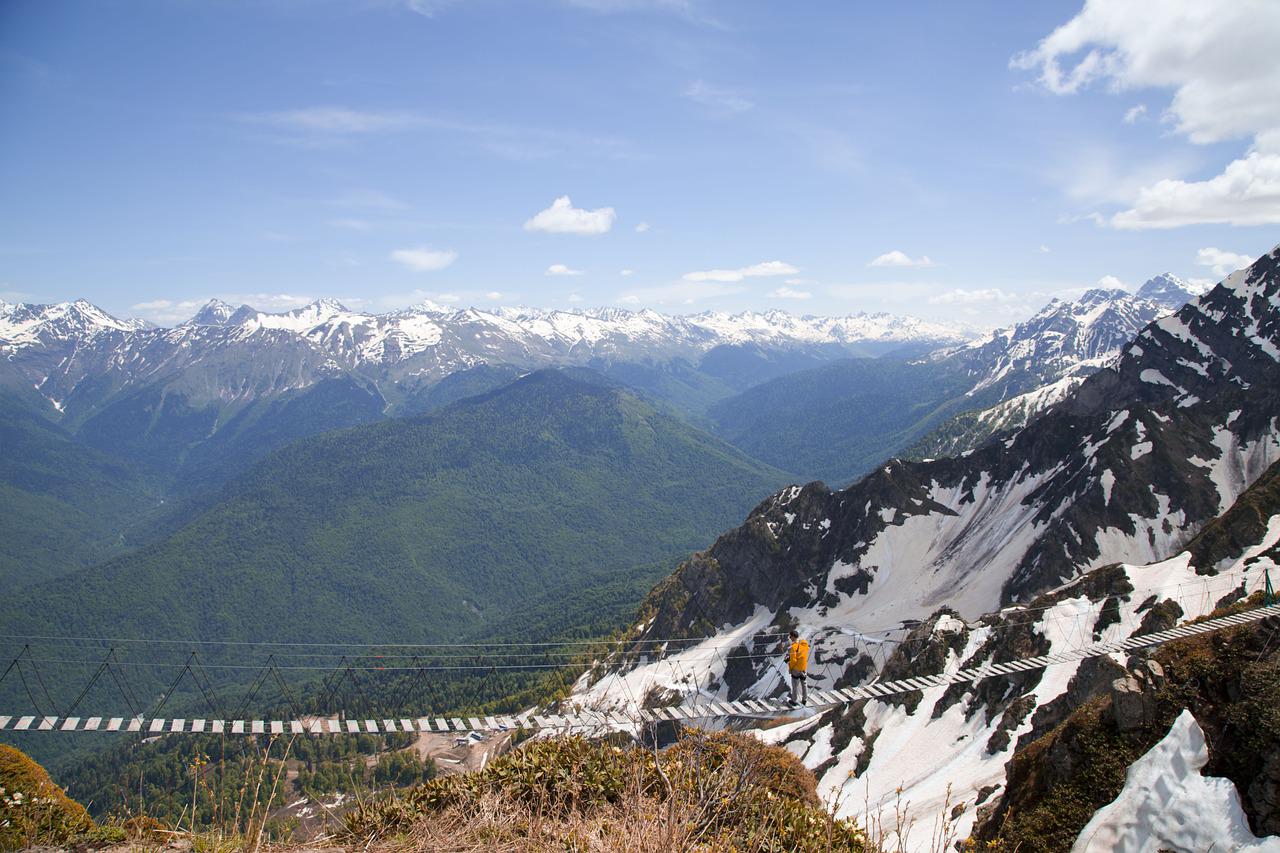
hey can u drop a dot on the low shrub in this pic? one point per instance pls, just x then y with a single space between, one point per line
716 791
33 810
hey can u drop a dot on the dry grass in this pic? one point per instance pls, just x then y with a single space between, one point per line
496 824
710 792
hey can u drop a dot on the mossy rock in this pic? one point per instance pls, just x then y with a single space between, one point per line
33 810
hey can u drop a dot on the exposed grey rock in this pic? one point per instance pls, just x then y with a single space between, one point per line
1263 796
1132 704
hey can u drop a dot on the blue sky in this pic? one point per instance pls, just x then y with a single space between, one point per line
677 154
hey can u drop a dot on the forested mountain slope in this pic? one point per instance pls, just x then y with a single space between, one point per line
63 506
543 496
195 404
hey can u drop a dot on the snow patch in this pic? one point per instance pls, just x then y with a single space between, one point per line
1167 804
1108 480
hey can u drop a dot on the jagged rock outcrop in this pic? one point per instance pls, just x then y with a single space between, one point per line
1228 681
1127 468
1080 527
1039 363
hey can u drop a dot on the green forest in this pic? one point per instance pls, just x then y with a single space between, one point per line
545 508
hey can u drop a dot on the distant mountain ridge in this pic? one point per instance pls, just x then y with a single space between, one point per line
1066 338
1188 411
1170 291
557 498
424 343
168 397
1022 371
1155 474
838 420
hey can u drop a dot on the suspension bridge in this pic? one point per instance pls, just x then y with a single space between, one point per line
697 709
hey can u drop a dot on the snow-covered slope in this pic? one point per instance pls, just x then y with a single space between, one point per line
1126 469
59 348
1170 291
1166 804
29 325
945 745
1064 339
1034 365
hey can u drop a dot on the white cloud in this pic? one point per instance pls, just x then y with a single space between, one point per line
687 9
1223 263
428 8
789 293
1094 217
900 259
269 302
1110 282
1132 114
424 259
494 296
721 102
1044 249
767 268
770 268
168 312
561 269
1218 57
977 308
642 227
1219 60
626 272
1246 193
961 296
563 218
574 298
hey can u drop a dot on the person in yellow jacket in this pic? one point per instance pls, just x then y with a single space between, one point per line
798 664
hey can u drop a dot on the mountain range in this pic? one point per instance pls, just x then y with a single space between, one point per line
839 420
550 504
1154 477
187 409
438 474
59 349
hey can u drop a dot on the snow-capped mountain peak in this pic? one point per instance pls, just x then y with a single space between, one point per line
423 344
1169 290
1089 515
1063 338
23 325
214 313
299 320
